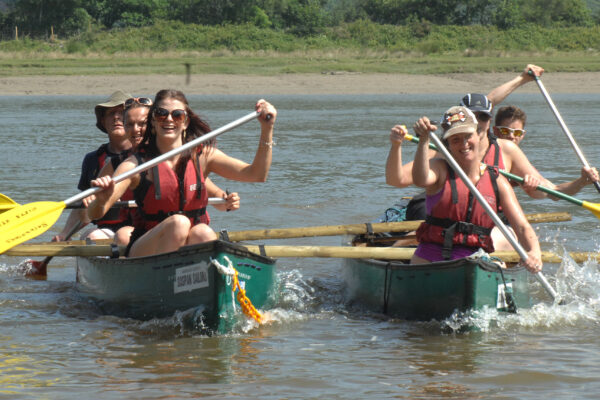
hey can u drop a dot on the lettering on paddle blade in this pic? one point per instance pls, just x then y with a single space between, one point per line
191 278
22 236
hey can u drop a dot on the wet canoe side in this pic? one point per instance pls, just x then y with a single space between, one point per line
431 291
157 286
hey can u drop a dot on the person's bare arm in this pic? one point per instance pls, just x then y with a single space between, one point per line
525 233
77 216
498 94
588 177
397 174
516 162
424 171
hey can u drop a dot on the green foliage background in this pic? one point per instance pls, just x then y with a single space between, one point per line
349 35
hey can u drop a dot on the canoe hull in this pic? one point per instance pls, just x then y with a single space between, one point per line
432 291
158 286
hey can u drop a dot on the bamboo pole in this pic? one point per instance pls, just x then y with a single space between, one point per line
309 231
356 229
383 253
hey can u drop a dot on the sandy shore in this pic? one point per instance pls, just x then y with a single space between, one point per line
342 83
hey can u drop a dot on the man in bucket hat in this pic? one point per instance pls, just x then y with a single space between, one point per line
109 119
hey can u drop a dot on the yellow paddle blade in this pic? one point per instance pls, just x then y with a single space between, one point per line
27 221
6 203
593 207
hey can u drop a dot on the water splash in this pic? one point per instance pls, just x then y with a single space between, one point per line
578 286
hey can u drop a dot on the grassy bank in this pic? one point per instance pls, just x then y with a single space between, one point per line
261 63
360 47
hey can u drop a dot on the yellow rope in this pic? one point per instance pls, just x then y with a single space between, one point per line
247 307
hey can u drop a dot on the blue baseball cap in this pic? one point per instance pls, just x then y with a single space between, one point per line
477 102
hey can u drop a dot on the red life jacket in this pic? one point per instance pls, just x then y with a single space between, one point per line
458 218
493 156
114 218
167 194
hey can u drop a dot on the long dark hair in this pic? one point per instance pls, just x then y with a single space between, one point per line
197 127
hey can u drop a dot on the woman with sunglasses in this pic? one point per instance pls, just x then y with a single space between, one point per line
456 224
135 118
171 221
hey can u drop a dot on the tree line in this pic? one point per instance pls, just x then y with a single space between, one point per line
67 18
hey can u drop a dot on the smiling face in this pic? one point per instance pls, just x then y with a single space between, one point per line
514 133
464 147
167 119
135 124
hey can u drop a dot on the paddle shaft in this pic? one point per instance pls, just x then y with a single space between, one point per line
163 157
488 209
133 204
118 204
562 124
383 253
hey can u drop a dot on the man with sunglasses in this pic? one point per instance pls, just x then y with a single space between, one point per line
109 119
510 125
507 155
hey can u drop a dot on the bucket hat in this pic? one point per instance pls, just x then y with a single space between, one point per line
115 99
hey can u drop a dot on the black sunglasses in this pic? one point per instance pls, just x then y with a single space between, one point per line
161 114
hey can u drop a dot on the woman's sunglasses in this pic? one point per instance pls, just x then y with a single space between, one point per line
140 100
506 131
162 114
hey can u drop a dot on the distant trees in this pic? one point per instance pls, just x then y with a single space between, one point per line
502 13
300 17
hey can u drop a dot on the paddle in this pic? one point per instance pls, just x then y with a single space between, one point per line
355 229
562 124
40 268
384 253
593 207
37 269
488 209
6 203
30 220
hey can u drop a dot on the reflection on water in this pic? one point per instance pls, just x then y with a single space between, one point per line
328 169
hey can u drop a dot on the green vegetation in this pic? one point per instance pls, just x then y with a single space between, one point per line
291 36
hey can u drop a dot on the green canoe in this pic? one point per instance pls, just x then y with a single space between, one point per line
434 291
157 286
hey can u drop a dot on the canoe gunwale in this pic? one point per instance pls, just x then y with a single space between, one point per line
216 245
439 265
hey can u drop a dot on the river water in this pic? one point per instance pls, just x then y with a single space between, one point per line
328 168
